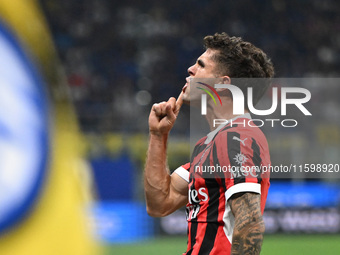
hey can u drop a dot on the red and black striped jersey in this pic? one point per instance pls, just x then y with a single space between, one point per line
227 161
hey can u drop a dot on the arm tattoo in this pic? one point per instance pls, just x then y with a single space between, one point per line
249 225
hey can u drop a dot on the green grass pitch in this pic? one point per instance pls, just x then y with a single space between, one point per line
272 245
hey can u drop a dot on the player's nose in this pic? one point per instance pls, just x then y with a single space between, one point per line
192 70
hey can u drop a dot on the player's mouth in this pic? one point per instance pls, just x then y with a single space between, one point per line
185 87
186 84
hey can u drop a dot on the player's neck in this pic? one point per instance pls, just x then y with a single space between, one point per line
224 112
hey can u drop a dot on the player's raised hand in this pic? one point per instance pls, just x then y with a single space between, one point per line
179 103
163 115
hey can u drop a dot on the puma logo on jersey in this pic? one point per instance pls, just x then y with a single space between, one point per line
238 139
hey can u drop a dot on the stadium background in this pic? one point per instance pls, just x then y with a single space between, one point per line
122 56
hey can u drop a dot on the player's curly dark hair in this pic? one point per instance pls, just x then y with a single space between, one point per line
239 59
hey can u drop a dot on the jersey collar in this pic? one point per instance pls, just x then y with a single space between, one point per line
213 133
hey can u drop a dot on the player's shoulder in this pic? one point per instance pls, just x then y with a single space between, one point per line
186 166
241 131
183 171
201 141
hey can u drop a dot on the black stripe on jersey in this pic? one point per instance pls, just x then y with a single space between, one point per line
212 212
217 162
195 154
193 233
256 158
194 224
209 238
223 129
234 149
197 150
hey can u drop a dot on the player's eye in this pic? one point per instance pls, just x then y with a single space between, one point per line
200 63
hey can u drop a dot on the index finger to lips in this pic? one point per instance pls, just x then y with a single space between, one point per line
172 102
179 102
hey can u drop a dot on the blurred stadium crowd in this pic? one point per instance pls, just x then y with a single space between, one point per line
122 56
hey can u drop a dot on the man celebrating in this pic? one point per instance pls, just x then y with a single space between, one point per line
224 210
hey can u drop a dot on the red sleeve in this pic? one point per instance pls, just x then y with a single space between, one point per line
186 166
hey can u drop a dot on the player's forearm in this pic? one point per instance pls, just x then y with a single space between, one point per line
249 226
248 241
156 175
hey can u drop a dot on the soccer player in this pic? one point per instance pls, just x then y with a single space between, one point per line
224 212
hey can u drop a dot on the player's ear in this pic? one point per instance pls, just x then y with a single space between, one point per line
226 79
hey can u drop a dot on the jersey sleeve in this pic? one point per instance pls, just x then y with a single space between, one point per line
240 155
243 187
183 171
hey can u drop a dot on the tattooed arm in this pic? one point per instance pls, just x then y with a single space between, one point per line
249 225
